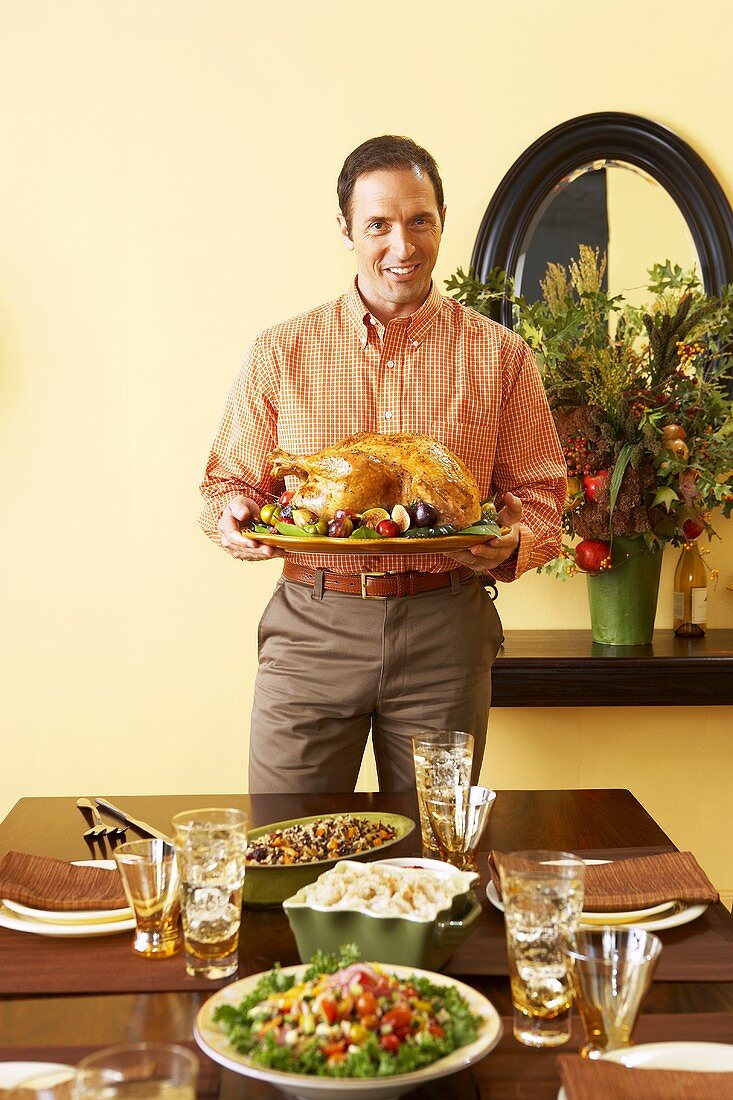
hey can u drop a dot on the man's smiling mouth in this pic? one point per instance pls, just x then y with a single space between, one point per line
402 270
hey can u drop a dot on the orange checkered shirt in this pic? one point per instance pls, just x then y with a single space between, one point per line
445 371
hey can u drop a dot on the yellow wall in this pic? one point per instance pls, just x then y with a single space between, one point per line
168 189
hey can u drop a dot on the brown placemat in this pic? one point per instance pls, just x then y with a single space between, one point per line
587 1080
31 964
207 1082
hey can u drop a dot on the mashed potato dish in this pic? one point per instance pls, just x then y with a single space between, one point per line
384 891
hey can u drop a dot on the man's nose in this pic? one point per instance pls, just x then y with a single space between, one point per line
401 244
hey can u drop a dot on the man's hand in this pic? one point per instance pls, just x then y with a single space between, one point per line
239 512
487 555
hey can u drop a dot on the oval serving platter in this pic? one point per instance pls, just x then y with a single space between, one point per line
314 544
270 885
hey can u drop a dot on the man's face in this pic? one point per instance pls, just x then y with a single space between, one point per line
395 234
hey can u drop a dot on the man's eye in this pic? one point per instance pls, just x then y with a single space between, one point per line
376 225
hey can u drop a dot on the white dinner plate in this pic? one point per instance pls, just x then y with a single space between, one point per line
631 916
700 1057
14 1073
213 1041
46 928
72 924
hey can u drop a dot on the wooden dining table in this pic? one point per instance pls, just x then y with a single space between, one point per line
62 998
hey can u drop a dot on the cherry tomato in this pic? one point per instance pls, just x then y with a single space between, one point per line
329 1010
399 1016
334 1059
345 1006
370 1021
285 499
390 1042
334 1048
436 1030
366 1005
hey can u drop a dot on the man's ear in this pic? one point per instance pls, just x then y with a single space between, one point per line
443 218
345 232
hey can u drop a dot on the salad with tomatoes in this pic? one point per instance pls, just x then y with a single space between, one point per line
357 1020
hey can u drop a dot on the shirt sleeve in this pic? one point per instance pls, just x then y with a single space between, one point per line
529 463
238 462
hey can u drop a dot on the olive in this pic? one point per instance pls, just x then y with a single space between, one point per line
425 515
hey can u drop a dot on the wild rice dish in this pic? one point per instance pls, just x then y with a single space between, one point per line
326 838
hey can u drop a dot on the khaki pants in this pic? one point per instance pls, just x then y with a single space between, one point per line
331 668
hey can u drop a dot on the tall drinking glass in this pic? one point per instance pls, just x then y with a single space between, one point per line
443 758
612 969
542 893
210 844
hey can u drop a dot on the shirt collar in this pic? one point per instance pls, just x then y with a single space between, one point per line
418 323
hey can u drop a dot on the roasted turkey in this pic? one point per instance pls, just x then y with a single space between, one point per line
368 470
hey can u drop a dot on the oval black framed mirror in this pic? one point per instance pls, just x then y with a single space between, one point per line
580 180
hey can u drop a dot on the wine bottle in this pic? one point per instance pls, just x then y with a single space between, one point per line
690 593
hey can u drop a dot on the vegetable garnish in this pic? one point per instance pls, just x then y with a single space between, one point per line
345 1018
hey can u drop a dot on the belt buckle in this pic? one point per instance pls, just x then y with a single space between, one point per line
364 578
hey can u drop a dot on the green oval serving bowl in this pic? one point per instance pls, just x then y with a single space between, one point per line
272 885
410 940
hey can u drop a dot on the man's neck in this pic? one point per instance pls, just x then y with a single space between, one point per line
385 314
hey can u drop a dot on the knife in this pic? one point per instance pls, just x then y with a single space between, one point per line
141 826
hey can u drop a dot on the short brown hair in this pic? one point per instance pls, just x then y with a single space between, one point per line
386 152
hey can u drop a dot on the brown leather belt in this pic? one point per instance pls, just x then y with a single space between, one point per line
368 585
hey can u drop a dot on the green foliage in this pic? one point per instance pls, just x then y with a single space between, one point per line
615 376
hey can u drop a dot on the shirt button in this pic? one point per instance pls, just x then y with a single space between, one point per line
390 363
372 320
416 343
388 415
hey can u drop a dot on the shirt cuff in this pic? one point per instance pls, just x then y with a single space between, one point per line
518 563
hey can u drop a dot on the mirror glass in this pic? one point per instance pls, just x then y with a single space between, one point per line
620 209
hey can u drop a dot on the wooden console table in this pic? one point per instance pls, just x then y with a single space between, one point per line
565 668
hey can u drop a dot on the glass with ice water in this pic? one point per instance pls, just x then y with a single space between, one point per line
442 758
542 892
138 1071
210 844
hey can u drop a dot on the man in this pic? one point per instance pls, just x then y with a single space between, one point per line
390 355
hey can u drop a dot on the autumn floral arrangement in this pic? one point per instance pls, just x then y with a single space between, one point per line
640 397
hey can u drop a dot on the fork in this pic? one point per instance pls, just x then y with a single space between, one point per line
99 830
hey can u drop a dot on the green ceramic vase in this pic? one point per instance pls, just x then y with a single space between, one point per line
623 600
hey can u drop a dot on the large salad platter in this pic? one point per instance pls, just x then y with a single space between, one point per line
211 1033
